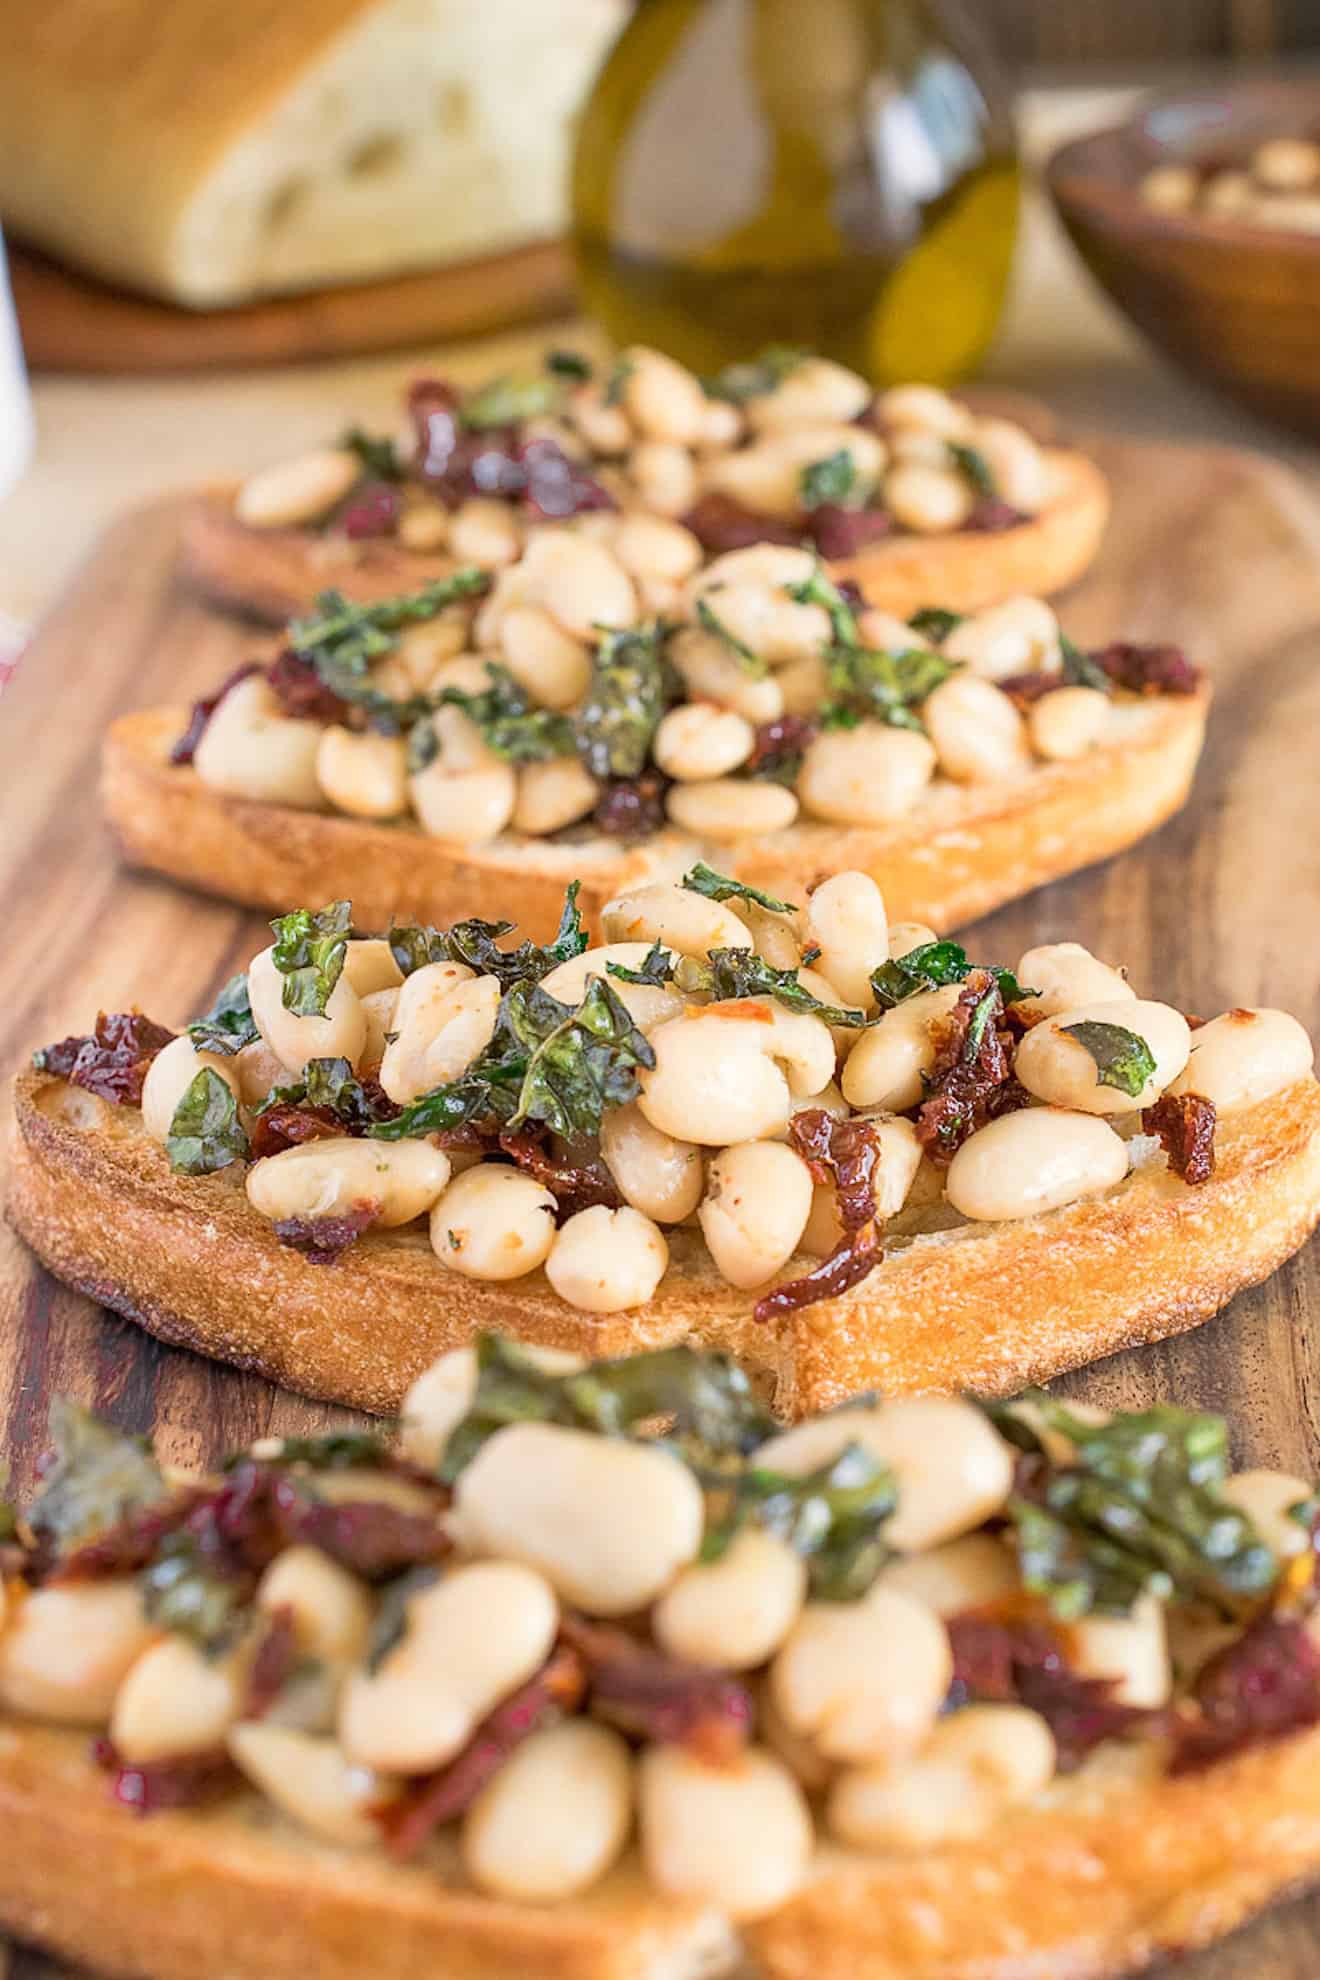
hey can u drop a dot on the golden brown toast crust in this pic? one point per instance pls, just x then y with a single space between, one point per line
274 573
960 853
1117 1866
990 1311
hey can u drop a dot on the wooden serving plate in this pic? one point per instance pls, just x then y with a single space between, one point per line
71 322
1216 549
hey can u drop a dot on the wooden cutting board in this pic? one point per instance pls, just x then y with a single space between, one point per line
1218 550
71 322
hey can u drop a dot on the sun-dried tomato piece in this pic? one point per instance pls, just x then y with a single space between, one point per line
1157 669
990 516
300 690
185 748
127 1546
1262 1687
272 1664
373 509
972 1068
780 746
631 807
1023 689
1024 1662
719 523
286 1125
556 487
113 1060
840 532
322 1240
656 1698
1185 1124
844 1155
556 1689
574 1184
184 1783
852 1260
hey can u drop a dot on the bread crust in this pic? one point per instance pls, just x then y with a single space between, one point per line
273 574
1115 1867
960 853
991 1309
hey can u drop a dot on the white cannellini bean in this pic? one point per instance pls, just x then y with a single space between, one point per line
64 1652
758 1199
733 1613
258 1070
1131 1652
976 1763
865 776
1171 188
700 739
803 684
1018 636
466 793
1244 1057
493 1222
885 1066
728 808
1037 1159
719 1077
863 1680
484 531
905 936
900 1158
962 1574
1067 723
309 1779
978 734
440 1025
378 1009
606 1261
297 491
328 1178
723 425
737 1838
665 477
776 628
846 921
766 477
1268 1499
653 547
661 397
331 1609
711 671
555 1816
424 525
425 648
339 1034
169 1076
1017 467
1286 164
442 1395
927 500
1060 1070
365 775
584 588
553 794
646 1004
657 1174
174 1702
813 389
926 408
251 749
1065 975
369 965
954 1470
608 1523
774 935
604 428
772 566
469 1640
553 665
686 922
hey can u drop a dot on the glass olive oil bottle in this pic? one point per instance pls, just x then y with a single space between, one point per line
838 174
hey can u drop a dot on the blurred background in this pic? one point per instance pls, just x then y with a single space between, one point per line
229 228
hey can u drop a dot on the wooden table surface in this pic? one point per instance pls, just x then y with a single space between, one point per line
1215 549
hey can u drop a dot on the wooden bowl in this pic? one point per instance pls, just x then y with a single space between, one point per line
1237 304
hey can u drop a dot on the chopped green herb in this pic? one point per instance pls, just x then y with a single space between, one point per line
831 480
972 464
205 1132
727 974
569 364
754 378
310 947
511 723
98 1478
703 879
630 688
820 589
751 663
834 1517
1123 1060
1080 670
342 640
935 622
377 455
476 944
932 966
864 684
509 401
229 1024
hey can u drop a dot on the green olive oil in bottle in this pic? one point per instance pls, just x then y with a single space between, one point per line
835 174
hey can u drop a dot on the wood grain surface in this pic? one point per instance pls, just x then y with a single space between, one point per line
1218 550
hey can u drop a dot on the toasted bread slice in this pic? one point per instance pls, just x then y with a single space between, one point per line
962 851
273 574
981 1307
1116 1866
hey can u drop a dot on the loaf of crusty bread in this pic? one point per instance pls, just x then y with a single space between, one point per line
211 151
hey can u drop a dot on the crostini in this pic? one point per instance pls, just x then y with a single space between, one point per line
836 1148
920 1690
908 492
503 736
